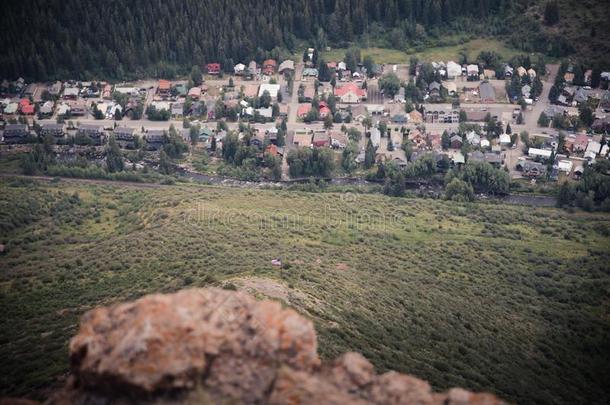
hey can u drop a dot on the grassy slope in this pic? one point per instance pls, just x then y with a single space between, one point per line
488 297
444 53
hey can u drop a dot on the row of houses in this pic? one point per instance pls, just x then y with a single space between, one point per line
93 134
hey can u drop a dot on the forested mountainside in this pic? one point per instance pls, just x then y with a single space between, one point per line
122 38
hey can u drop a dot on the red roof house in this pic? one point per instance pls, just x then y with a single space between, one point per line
580 143
26 107
164 86
272 150
324 110
213 68
350 93
303 110
269 67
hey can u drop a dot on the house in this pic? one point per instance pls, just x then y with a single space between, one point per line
54 130
434 90
25 107
309 92
177 109
163 88
456 141
94 131
320 139
302 138
358 112
11 108
107 92
472 71
239 69
494 159
180 90
46 110
453 70
324 110
213 68
15 133
458 158
451 88
195 93
252 68
592 150
505 139
155 139
272 89
273 150
338 140
531 73
125 137
487 92
526 91
533 169
286 66
130 91
415 117
473 138
269 67
55 89
400 119
508 71
485 143
521 71
580 143
350 93
70 93
417 138
266 113
564 165
580 96
568 77
539 153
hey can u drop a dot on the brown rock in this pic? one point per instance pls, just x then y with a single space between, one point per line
168 342
216 346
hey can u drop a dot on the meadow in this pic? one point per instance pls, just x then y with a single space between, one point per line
471 48
486 296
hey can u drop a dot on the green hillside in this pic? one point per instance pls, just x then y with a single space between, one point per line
508 299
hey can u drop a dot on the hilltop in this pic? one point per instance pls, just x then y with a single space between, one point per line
469 295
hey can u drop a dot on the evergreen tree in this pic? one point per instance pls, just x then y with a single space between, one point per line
114 157
369 155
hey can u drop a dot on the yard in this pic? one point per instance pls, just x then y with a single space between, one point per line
485 296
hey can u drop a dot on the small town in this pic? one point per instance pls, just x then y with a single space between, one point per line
371 202
535 121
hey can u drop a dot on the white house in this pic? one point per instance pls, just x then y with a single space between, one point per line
453 70
542 153
239 69
504 139
273 90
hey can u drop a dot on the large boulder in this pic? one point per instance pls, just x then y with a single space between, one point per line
217 346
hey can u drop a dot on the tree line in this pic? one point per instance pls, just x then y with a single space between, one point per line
129 38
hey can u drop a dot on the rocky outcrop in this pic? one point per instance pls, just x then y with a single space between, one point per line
217 346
